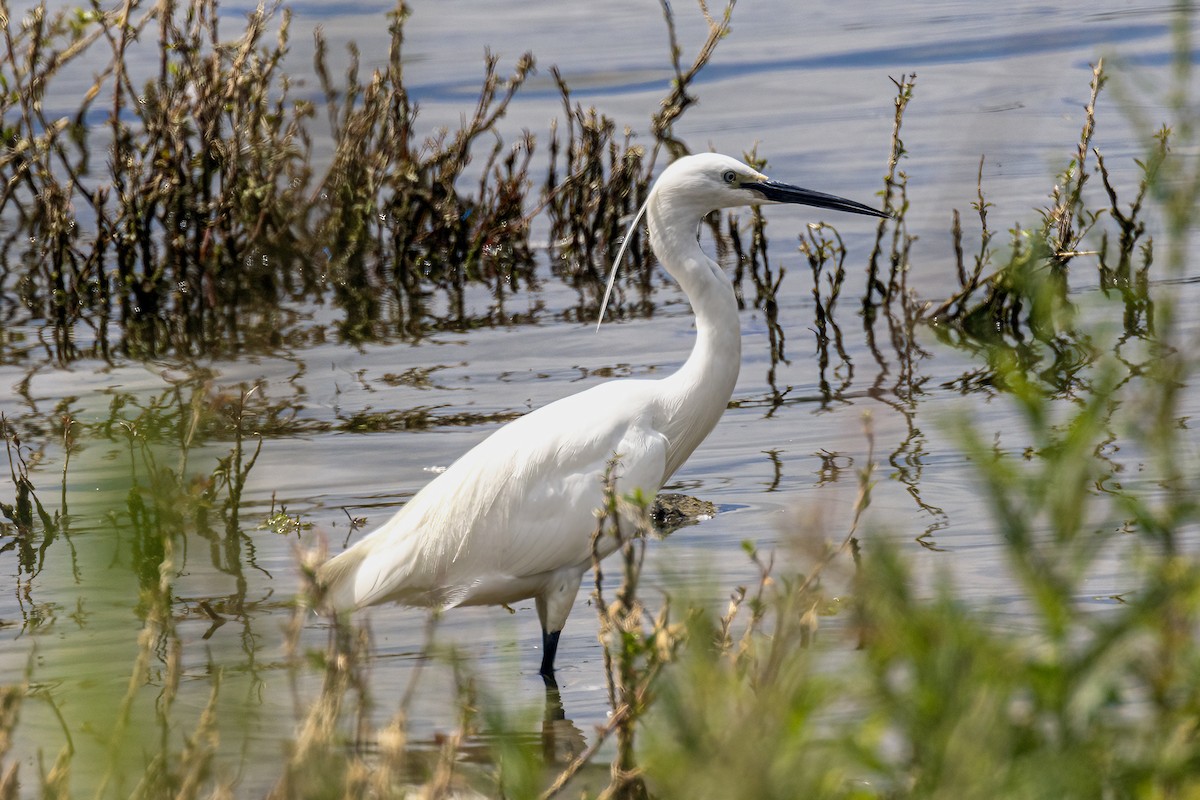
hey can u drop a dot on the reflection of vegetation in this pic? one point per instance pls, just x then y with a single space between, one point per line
28 520
129 543
161 499
823 247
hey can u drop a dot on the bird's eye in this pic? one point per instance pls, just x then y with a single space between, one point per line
730 176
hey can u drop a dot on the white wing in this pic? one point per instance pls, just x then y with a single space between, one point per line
518 505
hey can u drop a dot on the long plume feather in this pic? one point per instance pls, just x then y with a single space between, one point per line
612 276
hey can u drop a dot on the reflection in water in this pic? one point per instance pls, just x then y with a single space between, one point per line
562 741
489 745
170 540
777 467
822 245
121 600
766 290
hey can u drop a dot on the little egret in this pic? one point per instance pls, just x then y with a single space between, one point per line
513 518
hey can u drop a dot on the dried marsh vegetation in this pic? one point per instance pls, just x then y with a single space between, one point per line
206 219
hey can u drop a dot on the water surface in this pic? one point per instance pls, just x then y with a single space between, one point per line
809 88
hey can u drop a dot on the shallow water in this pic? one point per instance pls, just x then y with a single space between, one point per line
809 87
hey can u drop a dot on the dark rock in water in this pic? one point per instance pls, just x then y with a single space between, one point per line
672 510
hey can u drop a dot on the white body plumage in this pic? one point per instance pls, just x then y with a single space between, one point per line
513 519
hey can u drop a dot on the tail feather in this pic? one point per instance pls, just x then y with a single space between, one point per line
337 577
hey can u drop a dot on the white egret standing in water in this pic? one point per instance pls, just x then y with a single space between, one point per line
513 518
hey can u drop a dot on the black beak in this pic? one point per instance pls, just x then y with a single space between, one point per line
786 193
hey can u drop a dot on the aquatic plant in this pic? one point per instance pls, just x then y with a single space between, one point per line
211 217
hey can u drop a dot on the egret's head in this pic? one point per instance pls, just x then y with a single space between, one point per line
695 185
711 181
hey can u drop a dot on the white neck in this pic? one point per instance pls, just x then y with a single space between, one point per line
695 397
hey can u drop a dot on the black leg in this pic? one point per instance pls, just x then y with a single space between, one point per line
549 648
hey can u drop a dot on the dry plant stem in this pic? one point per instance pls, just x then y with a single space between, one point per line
598 594
779 648
626 777
209 206
1031 289
619 717
28 80
1070 203
968 284
588 208
758 607
981 206
904 93
343 674
679 100
621 623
